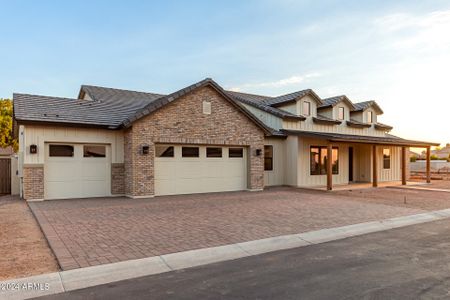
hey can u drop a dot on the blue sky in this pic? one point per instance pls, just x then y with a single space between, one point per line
397 53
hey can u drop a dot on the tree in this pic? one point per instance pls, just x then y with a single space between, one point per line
6 121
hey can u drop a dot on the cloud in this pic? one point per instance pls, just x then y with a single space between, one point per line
427 31
295 79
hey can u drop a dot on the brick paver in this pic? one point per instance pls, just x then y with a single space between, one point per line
86 232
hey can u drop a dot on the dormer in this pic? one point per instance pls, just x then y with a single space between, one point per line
302 103
366 112
336 108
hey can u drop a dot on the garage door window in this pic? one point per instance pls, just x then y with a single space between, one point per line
94 151
213 152
235 152
190 152
61 151
164 151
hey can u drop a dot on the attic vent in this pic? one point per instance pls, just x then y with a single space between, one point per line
206 108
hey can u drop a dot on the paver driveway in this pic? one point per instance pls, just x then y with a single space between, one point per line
85 232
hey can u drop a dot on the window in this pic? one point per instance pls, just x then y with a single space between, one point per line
306 108
235 152
386 158
341 113
61 151
213 152
369 117
164 151
94 151
189 152
318 160
268 158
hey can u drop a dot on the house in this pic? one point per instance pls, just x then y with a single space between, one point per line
199 139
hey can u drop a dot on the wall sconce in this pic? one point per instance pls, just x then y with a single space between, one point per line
33 149
145 149
258 152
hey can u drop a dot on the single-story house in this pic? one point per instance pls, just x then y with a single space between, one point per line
202 138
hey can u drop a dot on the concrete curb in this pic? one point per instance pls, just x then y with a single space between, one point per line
59 282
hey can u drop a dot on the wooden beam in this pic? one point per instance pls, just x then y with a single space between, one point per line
329 167
374 166
403 165
428 164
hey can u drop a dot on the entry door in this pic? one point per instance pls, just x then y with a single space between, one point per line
350 164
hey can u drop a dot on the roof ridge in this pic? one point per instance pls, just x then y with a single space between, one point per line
45 96
250 94
117 89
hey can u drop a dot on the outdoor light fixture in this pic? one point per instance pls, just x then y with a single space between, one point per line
258 152
33 149
145 149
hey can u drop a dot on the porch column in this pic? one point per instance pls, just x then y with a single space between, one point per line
428 164
329 167
374 166
403 165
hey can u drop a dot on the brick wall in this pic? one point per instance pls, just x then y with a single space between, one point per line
33 182
183 121
117 179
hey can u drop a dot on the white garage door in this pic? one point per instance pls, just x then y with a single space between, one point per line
77 171
199 169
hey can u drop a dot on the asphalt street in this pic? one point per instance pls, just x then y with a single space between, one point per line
406 263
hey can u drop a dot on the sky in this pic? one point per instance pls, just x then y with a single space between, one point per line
394 52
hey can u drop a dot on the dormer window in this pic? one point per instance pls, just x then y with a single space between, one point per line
341 113
369 117
306 108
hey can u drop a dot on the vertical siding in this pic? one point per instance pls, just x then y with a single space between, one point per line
39 135
395 172
292 160
268 119
276 176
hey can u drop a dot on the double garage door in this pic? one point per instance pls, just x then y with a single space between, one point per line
84 170
185 169
77 171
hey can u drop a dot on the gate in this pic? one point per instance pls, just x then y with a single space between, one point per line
5 176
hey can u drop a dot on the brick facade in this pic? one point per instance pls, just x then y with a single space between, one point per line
183 121
117 179
33 182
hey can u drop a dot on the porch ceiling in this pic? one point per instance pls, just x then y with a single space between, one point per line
349 138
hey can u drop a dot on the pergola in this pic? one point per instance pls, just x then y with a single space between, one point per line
375 142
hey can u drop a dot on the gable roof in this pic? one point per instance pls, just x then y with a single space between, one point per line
361 106
162 101
333 101
109 108
283 99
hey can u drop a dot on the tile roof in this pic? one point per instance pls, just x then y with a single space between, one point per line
65 110
291 97
360 106
325 120
259 102
337 137
332 101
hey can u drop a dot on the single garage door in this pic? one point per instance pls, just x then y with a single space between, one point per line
77 171
185 169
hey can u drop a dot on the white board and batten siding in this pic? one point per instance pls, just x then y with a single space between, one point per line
40 135
73 176
277 175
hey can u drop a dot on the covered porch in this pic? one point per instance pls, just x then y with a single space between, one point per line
367 158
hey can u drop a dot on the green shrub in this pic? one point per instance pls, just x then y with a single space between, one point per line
413 159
